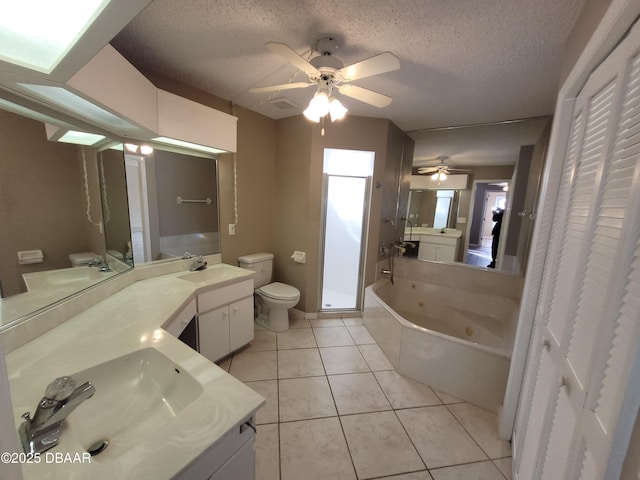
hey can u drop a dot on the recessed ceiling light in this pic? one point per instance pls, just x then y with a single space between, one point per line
37 34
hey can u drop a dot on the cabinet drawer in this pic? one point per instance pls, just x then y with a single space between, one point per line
224 295
179 321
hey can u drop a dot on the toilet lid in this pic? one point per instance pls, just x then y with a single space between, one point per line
279 290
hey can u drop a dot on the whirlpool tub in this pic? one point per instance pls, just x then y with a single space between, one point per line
448 326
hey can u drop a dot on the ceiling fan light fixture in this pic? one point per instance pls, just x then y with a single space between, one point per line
337 110
442 176
435 176
318 107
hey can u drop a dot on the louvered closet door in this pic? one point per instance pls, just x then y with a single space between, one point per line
586 339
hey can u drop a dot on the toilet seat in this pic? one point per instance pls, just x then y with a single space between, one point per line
279 291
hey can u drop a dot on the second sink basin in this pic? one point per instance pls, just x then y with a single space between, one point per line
219 272
135 395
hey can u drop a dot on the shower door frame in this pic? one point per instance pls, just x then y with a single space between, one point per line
363 241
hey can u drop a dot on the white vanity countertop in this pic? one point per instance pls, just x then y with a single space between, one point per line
125 322
448 232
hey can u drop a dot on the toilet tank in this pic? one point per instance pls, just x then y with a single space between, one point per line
261 263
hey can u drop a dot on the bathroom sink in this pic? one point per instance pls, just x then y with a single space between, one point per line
219 272
65 277
136 394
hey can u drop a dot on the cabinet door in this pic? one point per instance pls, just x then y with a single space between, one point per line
427 251
214 333
240 323
241 465
445 253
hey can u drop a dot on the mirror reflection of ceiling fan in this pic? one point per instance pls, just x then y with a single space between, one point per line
440 172
328 73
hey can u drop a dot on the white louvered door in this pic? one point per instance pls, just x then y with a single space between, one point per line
577 406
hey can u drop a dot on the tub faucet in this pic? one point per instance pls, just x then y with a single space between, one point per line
61 397
198 264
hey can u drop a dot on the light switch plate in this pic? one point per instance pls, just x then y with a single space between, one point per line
232 229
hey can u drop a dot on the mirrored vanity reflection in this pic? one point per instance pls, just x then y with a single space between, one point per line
173 203
79 215
57 240
498 170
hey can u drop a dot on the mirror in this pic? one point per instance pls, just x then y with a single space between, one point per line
51 208
504 164
173 204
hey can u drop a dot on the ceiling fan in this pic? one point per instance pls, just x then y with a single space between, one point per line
440 172
327 72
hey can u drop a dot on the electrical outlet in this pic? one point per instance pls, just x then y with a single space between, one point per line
232 229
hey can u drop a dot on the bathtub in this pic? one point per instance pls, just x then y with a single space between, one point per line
455 337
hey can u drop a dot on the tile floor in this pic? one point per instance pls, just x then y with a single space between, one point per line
336 409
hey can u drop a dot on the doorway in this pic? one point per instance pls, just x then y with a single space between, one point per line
485 196
346 191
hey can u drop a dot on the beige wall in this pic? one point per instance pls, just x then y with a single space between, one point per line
42 202
279 187
192 178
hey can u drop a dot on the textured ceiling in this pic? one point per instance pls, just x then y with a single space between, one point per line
462 62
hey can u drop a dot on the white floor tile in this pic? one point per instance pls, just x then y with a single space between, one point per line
267 447
326 322
269 390
252 366
482 425
470 471
439 438
352 321
403 392
423 475
375 357
446 398
343 360
263 340
305 398
333 337
299 323
299 363
360 335
357 393
505 465
296 338
314 450
379 445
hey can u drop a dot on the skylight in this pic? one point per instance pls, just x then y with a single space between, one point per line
81 138
78 105
37 34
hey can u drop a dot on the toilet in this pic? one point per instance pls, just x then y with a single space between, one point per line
273 300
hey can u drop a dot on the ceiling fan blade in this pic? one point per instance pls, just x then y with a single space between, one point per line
289 54
385 62
364 95
283 86
427 170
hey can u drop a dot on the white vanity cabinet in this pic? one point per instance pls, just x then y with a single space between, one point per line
230 458
225 319
441 248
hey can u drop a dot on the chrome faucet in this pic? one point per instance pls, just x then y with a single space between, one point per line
198 264
101 263
61 397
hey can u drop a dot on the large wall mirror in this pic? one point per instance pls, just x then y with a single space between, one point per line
486 222
173 203
53 196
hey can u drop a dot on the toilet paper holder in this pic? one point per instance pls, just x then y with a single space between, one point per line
299 257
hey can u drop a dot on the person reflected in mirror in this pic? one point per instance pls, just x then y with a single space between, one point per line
497 217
